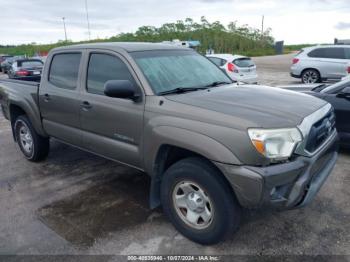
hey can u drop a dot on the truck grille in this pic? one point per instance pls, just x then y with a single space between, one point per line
320 131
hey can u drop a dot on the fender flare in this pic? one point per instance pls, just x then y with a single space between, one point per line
32 113
197 143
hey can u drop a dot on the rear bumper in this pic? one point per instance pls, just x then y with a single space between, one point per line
28 78
282 186
295 75
248 79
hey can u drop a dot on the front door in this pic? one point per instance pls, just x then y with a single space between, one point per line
112 127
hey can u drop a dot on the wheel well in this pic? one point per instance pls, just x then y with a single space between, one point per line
310 68
166 157
15 111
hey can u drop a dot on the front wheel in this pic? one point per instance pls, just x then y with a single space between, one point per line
199 202
310 76
33 146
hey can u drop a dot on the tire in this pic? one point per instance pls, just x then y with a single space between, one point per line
33 146
211 193
311 76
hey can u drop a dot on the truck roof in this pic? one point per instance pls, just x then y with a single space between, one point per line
127 46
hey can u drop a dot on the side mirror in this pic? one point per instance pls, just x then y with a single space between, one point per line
345 93
121 89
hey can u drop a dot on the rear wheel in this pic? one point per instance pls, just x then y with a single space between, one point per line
310 76
199 202
33 146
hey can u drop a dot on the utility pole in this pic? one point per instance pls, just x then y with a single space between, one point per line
262 30
64 27
87 18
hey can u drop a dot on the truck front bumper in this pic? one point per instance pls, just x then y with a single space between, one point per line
282 186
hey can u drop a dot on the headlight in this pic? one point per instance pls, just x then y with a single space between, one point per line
276 144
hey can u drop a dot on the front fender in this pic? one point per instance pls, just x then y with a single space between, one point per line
186 139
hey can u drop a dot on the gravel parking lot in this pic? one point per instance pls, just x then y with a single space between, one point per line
78 203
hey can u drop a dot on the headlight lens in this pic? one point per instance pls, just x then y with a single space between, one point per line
276 144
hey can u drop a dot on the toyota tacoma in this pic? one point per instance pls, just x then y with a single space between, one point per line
211 146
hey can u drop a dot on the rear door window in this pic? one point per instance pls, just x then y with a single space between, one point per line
64 70
331 52
243 62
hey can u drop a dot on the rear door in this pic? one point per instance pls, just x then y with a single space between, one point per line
59 97
112 127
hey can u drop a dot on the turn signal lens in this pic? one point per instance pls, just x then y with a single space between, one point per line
259 145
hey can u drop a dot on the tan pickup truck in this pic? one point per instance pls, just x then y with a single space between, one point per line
211 146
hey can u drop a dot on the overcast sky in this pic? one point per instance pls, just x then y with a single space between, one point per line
295 21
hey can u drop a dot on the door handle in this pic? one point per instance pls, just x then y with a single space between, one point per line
86 105
47 98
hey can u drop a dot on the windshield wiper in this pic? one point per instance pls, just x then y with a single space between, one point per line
218 83
180 90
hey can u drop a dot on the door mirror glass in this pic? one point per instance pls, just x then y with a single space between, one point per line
121 89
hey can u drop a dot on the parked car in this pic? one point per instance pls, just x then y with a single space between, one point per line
2 59
6 65
318 63
210 146
239 68
338 95
26 69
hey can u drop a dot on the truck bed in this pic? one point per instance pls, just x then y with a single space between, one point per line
21 93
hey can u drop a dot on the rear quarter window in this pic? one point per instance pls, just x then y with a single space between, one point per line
64 70
347 53
218 61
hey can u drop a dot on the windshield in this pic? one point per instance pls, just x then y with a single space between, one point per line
243 62
168 70
333 89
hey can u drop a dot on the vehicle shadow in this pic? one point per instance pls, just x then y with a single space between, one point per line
116 200
345 151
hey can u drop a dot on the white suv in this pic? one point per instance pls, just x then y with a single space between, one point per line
317 63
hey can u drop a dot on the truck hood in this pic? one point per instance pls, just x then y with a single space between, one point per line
256 106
